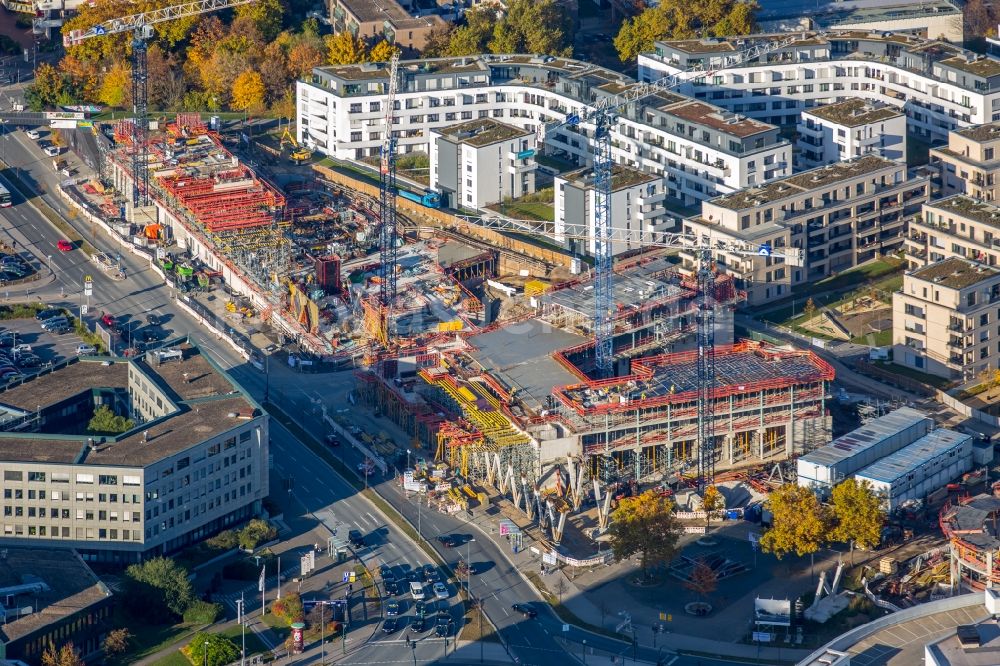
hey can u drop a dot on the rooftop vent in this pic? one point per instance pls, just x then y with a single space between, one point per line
968 636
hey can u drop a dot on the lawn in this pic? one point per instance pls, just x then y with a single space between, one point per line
872 270
880 339
253 642
148 639
528 210
175 658
930 380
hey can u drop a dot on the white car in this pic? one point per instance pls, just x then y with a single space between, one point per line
417 591
33 134
84 350
21 349
52 151
440 590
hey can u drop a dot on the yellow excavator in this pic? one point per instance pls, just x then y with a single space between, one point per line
299 154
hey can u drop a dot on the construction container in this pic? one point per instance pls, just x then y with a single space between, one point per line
982 453
831 464
917 470
328 274
887 565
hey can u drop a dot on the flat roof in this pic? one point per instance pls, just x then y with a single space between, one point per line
622 177
978 65
955 273
984 132
640 285
374 10
66 586
854 112
801 183
871 434
913 456
208 404
985 645
481 132
973 209
712 116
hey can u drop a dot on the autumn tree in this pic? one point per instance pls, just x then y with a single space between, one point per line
857 514
50 89
712 502
67 655
248 92
304 56
703 580
646 525
810 308
285 107
382 52
979 20
436 44
344 48
678 19
800 523
117 641
527 26
267 15
116 85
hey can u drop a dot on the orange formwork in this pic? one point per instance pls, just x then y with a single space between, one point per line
231 200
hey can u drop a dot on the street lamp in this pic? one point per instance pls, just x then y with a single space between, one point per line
206 653
584 650
468 565
407 459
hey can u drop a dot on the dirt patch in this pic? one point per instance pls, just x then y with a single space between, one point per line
865 315
821 324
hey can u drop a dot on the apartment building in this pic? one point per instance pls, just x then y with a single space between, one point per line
946 319
970 163
374 20
837 217
939 86
852 128
195 462
635 203
940 19
481 162
697 148
956 226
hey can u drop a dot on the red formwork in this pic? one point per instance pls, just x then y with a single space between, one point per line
234 199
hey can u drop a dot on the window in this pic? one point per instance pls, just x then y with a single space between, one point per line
60 477
230 443
213 450
9 475
106 480
130 480
245 436
36 476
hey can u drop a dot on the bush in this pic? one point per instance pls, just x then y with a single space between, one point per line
225 540
20 310
157 590
202 612
220 650
255 533
289 608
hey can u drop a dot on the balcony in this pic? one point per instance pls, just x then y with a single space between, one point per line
960 327
959 343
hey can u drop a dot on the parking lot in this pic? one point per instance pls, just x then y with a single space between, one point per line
49 347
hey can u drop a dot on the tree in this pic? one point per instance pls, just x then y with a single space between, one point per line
106 422
305 56
680 19
158 589
256 532
117 640
248 92
67 655
978 19
857 514
645 525
212 649
702 581
800 522
48 88
289 608
285 107
527 26
116 85
436 44
382 52
712 502
344 48
267 15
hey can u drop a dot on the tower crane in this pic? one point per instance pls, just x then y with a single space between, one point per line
603 114
388 234
703 245
141 27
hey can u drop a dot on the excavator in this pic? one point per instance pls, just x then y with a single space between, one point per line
299 154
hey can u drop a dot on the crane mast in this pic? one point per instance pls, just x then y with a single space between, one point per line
141 27
388 234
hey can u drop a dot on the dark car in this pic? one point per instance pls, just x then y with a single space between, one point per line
420 609
152 320
390 626
356 539
392 609
48 313
524 610
418 626
391 588
431 575
332 440
447 540
60 330
443 626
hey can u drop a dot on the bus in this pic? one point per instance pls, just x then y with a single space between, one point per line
4 197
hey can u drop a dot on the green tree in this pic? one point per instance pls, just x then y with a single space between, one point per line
675 19
800 522
249 91
256 532
858 515
382 52
117 641
48 88
67 655
158 589
712 503
212 649
289 608
267 15
344 48
106 422
645 525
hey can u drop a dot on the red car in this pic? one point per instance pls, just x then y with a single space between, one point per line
107 320
64 245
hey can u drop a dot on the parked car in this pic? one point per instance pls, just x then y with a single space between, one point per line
441 590
332 440
48 313
64 245
33 134
49 324
52 151
525 610
152 319
85 349
447 540
21 348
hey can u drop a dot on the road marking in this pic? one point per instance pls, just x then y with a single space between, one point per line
672 661
374 522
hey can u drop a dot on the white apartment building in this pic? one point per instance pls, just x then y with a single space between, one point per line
837 216
635 198
852 128
698 149
195 462
481 162
939 86
945 318
956 226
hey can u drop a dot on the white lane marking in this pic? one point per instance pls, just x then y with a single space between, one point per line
672 660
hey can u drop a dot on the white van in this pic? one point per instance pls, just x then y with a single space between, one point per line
417 591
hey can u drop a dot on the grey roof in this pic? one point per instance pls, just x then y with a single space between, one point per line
857 441
914 456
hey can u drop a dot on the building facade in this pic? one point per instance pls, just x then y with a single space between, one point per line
635 199
939 86
481 162
836 217
194 463
945 318
969 164
955 226
852 128
374 20
697 148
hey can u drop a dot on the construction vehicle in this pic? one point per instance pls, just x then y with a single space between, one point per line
299 154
